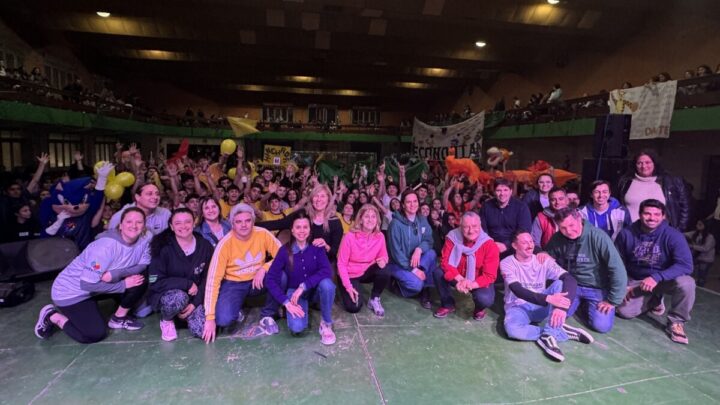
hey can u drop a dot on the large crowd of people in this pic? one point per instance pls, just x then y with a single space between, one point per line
192 243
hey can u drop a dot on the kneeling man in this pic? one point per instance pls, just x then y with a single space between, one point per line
658 262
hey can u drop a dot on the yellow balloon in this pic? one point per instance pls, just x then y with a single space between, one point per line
125 179
111 176
232 173
228 146
114 191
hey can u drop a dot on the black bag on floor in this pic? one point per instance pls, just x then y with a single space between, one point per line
12 294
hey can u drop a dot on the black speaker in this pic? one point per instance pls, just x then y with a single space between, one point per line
603 169
612 134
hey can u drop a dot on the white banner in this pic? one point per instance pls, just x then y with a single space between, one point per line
651 107
432 142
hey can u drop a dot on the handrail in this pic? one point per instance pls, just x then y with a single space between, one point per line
693 92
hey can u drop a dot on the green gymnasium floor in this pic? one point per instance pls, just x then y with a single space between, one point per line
408 357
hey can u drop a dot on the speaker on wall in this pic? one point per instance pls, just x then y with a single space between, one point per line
612 134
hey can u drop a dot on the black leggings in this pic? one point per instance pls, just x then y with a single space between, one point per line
86 324
374 274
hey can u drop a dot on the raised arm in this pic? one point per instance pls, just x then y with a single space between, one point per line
42 162
172 171
402 180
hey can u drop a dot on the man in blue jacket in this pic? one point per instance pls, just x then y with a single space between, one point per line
658 262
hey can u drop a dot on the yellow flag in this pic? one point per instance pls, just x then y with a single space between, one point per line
242 126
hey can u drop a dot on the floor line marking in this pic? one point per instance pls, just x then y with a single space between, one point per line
708 290
57 377
660 367
662 377
373 374
630 350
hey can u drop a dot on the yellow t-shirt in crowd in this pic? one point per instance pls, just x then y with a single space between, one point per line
225 209
238 260
269 216
345 225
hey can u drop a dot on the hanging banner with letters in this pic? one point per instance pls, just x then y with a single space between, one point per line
277 155
651 107
432 143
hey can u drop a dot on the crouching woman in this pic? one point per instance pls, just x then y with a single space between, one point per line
178 270
309 279
114 264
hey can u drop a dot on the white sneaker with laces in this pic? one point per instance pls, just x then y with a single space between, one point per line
376 306
327 336
167 328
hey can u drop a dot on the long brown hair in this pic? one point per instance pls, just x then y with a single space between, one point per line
329 211
289 243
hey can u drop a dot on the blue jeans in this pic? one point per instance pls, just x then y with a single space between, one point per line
519 319
409 283
482 297
323 293
597 321
232 297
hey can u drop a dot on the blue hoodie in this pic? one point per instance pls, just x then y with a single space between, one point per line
612 221
404 236
663 254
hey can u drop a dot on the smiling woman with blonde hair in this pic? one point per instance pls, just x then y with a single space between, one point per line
363 258
325 227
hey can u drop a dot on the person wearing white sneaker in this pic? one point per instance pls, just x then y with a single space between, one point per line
112 264
363 258
528 301
237 270
659 262
178 270
309 278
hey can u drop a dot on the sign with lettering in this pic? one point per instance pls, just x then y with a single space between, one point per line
433 142
276 154
651 107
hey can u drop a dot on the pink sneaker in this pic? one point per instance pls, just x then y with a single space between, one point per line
168 330
327 336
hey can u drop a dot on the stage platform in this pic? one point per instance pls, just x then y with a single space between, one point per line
408 357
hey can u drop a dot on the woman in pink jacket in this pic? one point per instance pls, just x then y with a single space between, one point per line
363 258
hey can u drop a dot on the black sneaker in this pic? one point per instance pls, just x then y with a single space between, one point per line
425 301
577 334
126 322
550 347
44 328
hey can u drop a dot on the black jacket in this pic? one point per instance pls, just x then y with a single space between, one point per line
532 200
170 269
677 198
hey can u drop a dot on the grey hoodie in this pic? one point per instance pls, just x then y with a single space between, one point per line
80 280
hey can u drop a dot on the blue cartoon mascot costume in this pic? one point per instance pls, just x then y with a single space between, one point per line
69 210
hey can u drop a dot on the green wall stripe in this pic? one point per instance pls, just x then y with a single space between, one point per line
685 120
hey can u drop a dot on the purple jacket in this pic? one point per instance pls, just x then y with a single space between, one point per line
310 266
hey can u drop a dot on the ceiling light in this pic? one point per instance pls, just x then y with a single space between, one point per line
411 85
103 14
553 2
434 72
301 79
480 44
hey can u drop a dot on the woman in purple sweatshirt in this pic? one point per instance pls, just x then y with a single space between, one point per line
309 278
113 264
